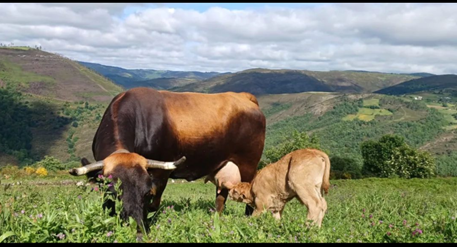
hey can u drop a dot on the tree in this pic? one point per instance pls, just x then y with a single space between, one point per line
298 140
392 157
375 154
410 163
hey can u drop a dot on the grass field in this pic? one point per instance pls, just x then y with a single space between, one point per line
359 211
367 114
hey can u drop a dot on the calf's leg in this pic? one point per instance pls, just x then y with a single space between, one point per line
308 197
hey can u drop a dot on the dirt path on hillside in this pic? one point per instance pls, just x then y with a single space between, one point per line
446 137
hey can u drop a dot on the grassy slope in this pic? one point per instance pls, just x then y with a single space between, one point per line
50 75
362 210
48 92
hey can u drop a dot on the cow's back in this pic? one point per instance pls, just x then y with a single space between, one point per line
209 129
214 128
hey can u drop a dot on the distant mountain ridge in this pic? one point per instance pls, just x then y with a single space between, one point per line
268 81
129 78
259 81
425 84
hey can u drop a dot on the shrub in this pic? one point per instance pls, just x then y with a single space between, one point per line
50 163
392 157
29 170
10 171
42 171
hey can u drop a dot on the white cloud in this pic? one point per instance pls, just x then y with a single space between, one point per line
385 37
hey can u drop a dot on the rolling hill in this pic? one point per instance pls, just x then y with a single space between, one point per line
49 75
436 83
266 81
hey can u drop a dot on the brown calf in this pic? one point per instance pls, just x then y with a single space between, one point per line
302 174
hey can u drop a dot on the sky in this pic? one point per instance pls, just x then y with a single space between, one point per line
231 37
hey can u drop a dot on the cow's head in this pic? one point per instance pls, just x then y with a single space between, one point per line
136 183
241 192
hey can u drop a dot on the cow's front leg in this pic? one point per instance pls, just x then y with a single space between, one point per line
221 197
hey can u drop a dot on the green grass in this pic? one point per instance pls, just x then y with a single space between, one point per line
371 102
367 114
365 210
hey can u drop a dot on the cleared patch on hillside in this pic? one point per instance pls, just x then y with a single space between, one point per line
24 81
366 114
277 107
371 102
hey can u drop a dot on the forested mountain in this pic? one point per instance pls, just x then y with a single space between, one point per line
437 83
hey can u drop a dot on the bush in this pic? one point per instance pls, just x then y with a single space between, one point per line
29 170
42 171
9 171
410 163
392 157
50 163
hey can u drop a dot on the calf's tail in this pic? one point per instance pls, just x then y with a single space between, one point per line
326 178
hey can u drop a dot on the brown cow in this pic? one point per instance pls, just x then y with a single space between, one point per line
302 174
143 127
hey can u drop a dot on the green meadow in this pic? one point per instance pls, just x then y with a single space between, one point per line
370 210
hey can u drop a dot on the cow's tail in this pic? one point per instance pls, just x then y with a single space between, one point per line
326 178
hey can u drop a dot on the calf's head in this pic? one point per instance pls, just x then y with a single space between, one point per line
241 192
136 184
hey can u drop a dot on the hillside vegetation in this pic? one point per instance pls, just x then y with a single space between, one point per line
49 105
44 119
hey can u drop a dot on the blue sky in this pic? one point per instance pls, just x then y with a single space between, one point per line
202 7
384 37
